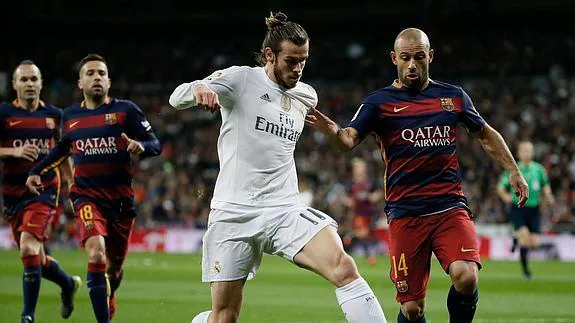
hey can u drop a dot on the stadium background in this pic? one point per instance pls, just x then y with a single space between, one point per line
515 58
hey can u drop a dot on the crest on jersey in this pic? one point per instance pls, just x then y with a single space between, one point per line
447 104
285 103
402 286
214 75
50 123
217 267
111 118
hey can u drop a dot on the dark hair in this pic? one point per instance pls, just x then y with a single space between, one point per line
24 62
90 58
280 29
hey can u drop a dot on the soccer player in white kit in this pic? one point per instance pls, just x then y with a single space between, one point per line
255 206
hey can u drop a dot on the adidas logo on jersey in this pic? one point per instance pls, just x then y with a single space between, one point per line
266 97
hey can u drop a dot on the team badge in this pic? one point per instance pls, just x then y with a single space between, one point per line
217 267
402 286
111 118
50 123
447 104
285 103
214 75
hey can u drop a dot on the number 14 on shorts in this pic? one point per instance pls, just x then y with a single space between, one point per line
399 265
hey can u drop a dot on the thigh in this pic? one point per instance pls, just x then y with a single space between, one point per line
288 230
91 221
35 218
455 238
231 248
118 239
410 257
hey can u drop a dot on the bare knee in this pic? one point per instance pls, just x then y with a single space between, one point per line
343 270
96 250
413 310
29 245
464 275
224 315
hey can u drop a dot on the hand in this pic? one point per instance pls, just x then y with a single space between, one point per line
27 151
206 99
321 122
520 187
34 184
134 147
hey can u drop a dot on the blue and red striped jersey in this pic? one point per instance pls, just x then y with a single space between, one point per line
18 127
360 192
416 133
102 165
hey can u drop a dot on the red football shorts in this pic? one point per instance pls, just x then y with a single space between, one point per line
92 221
34 219
449 235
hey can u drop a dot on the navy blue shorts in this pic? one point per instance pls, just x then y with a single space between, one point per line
526 216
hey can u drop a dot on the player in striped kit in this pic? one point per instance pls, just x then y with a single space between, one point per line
414 121
256 207
98 136
28 129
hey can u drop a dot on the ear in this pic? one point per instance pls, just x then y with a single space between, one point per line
269 55
393 57
430 55
14 84
79 83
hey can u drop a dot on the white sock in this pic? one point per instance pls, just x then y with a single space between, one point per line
359 304
202 317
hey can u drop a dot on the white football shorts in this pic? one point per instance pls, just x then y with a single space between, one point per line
237 237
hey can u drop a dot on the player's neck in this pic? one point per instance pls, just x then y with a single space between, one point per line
525 162
29 105
270 73
91 103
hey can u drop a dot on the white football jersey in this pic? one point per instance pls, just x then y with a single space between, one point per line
261 123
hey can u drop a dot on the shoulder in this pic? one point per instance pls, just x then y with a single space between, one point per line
126 105
53 110
71 110
448 89
231 71
5 108
380 96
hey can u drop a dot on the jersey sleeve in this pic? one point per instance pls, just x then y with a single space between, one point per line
504 181
469 116
364 119
141 129
227 83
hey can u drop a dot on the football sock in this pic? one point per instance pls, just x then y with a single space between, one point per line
523 256
52 271
359 304
98 287
115 282
514 245
402 319
31 283
461 307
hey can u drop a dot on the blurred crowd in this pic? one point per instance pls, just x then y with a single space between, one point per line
524 90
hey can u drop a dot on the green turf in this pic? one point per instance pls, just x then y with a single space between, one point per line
166 288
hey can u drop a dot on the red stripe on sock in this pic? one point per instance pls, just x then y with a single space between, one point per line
96 268
31 261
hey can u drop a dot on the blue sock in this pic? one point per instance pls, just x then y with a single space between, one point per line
31 278
98 287
461 307
402 319
54 273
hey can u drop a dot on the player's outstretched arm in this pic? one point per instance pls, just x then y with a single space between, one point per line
343 139
494 144
55 157
27 151
194 94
